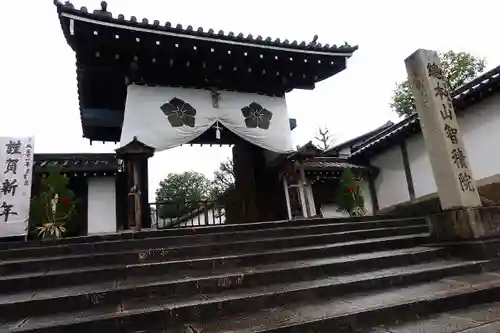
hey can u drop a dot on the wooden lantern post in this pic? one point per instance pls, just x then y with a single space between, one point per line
135 156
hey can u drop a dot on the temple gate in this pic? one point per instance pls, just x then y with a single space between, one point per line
153 87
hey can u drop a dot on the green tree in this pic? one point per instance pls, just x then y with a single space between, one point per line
223 179
459 68
181 193
53 208
350 196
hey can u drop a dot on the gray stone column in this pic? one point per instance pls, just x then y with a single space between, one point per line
443 140
462 217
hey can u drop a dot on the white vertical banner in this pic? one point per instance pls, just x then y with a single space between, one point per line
16 170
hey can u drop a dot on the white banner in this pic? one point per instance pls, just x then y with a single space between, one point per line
166 117
16 162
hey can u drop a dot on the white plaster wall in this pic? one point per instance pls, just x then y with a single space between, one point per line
420 166
331 210
365 191
101 205
390 183
480 127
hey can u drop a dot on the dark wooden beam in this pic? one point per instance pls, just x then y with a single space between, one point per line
373 193
406 165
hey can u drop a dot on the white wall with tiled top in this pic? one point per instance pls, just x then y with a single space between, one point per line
480 128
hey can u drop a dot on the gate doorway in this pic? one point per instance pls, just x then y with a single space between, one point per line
251 199
153 86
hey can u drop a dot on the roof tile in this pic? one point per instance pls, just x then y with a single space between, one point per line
78 162
103 13
331 163
484 82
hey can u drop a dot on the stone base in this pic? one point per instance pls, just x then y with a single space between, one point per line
476 250
466 224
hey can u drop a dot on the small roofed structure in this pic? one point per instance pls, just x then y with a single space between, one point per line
96 181
311 181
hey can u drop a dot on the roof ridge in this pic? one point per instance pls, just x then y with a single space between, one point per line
104 15
475 82
380 128
457 94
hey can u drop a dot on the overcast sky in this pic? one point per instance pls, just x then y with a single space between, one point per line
39 94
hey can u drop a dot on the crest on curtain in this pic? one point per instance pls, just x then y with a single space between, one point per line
256 116
179 113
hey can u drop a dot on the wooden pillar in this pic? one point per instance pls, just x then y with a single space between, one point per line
287 197
373 193
258 185
302 193
135 155
245 180
270 198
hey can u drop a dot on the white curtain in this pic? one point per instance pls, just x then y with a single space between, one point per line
166 117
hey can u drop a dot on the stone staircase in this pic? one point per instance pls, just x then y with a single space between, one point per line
322 275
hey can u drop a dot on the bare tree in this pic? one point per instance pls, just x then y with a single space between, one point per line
324 139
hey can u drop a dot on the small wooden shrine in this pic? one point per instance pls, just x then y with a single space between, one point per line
311 180
122 60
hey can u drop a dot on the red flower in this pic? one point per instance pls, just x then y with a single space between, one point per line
65 201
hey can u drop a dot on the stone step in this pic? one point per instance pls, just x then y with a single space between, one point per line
81 275
256 228
365 311
481 318
167 312
160 239
192 282
227 243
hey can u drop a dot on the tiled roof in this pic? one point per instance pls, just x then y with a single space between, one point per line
330 163
113 51
103 14
309 149
463 97
78 162
354 142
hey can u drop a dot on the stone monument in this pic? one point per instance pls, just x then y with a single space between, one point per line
463 217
